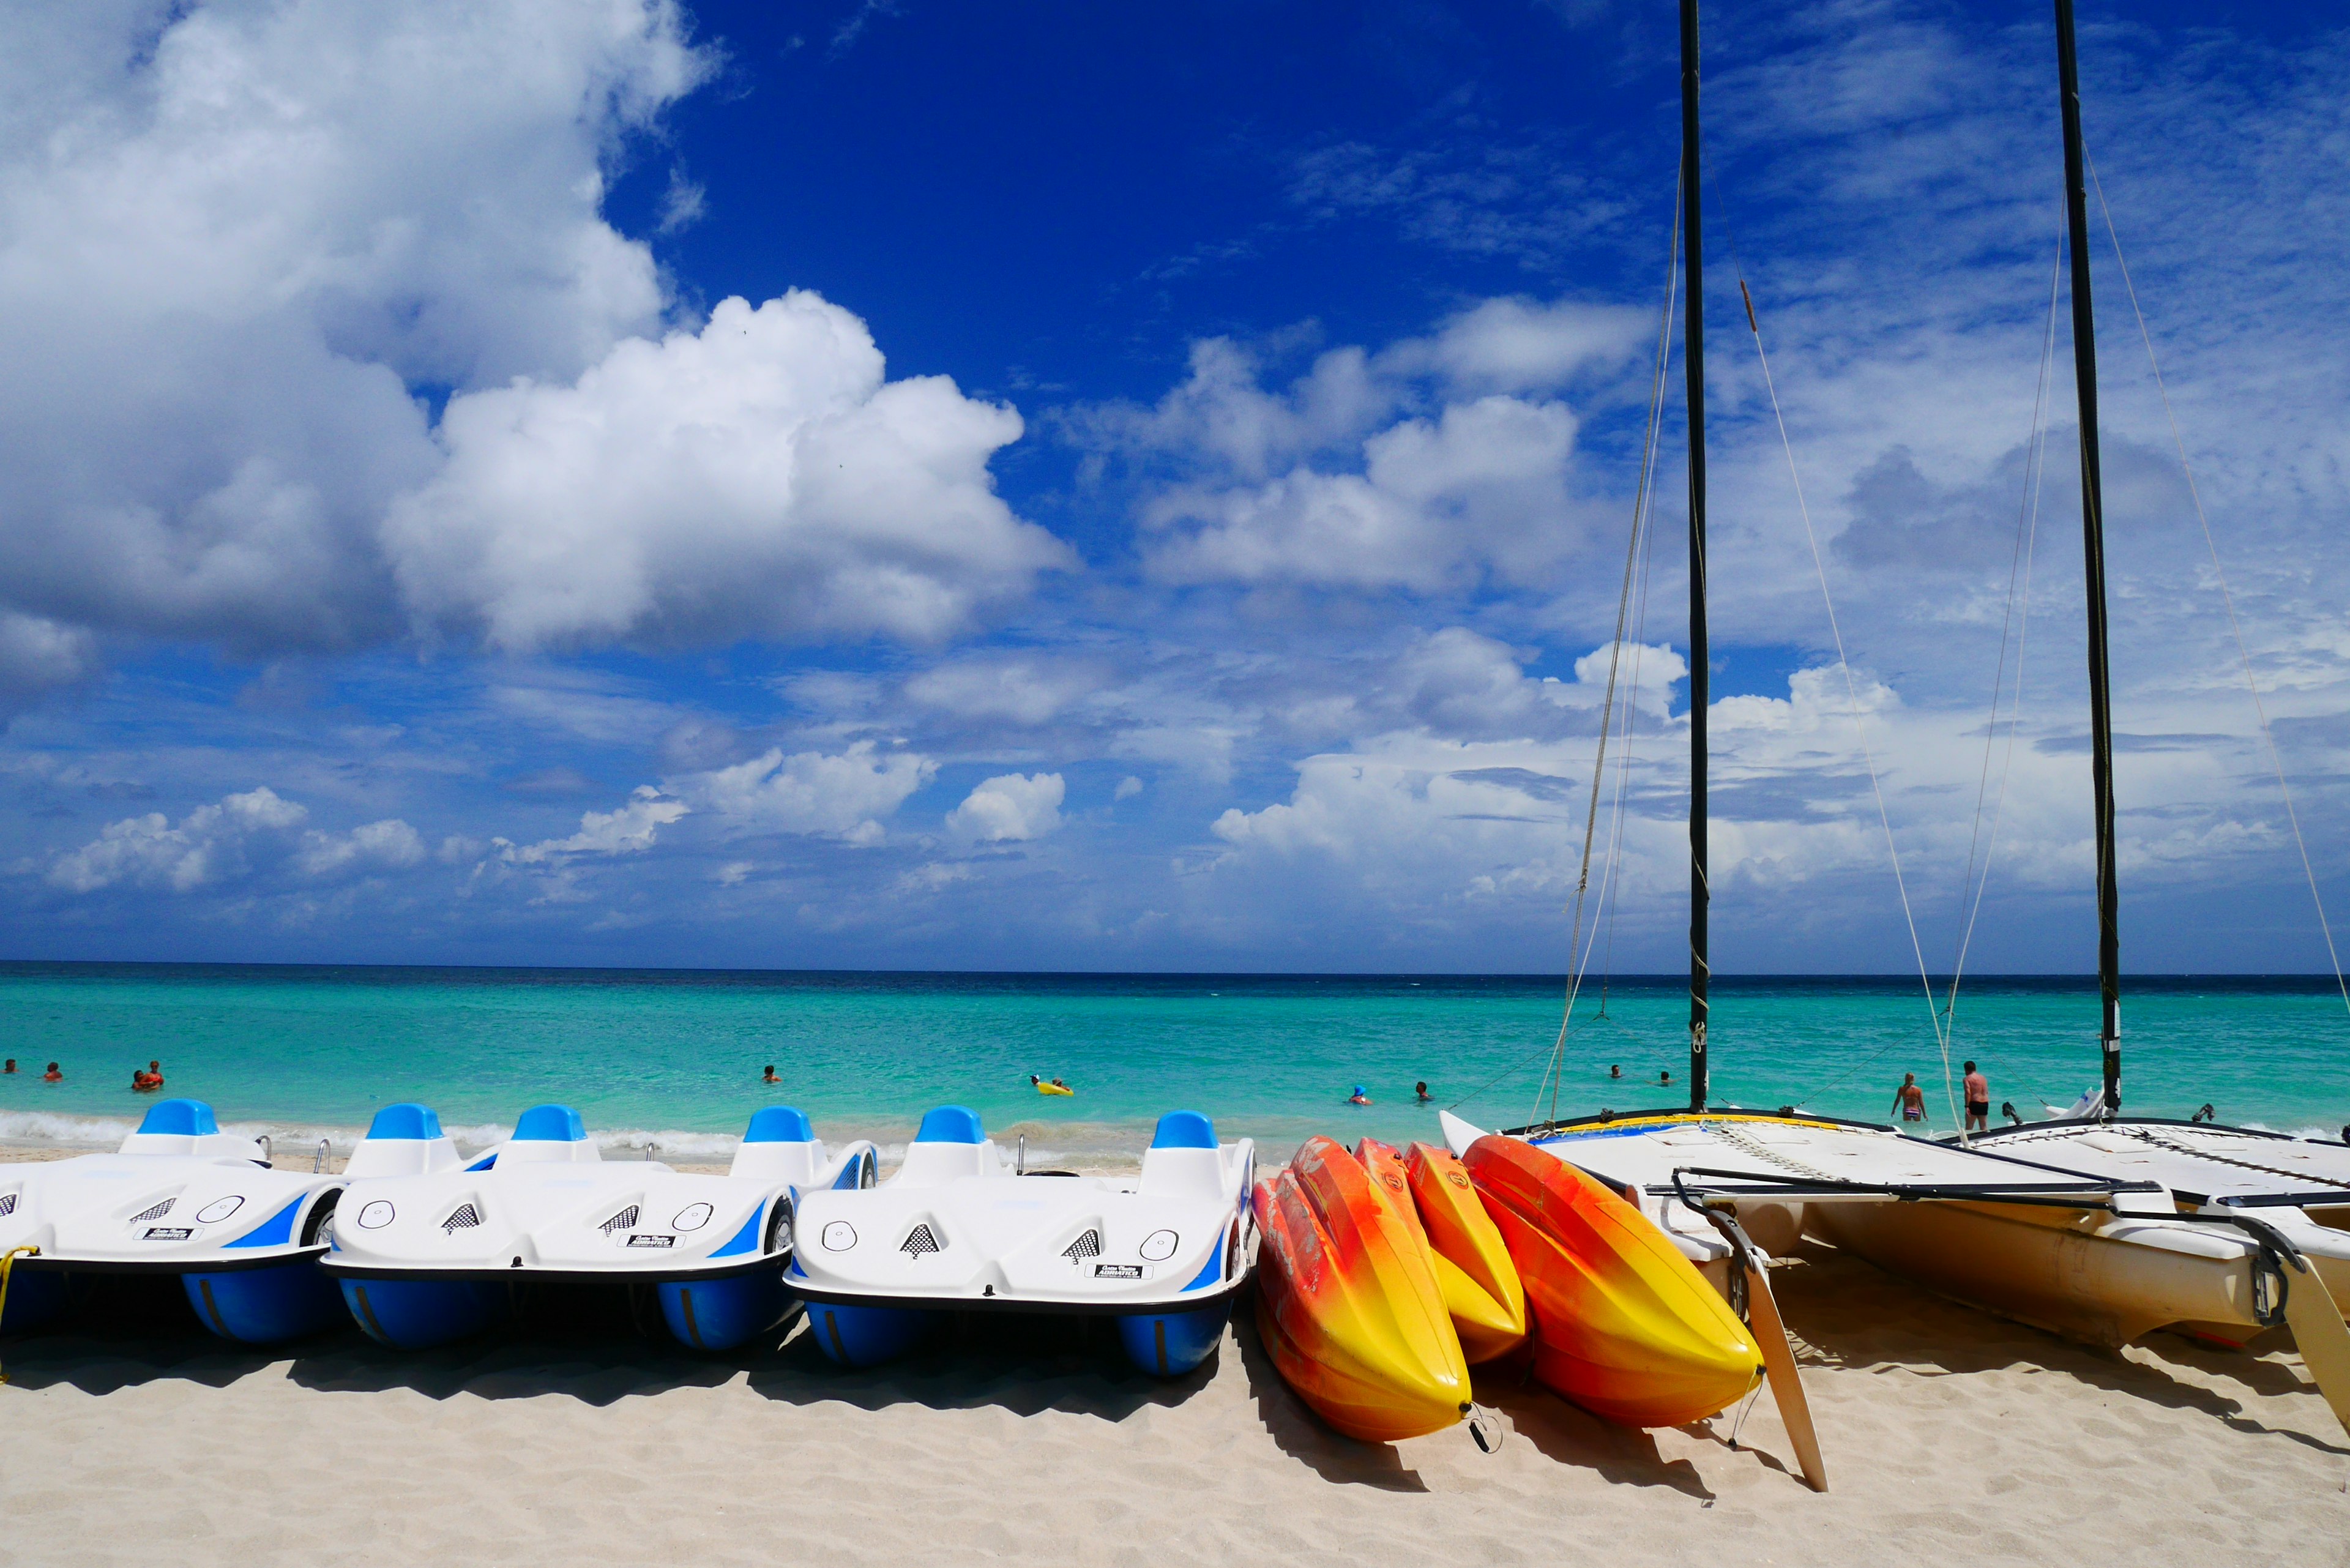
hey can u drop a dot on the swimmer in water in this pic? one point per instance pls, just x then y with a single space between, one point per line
770 1077
1058 1084
11 1066
1616 1071
1420 1089
52 1075
1360 1097
149 1080
1664 1077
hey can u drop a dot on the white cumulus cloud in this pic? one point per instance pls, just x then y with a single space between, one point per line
389 843
241 244
1015 807
629 830
211 844
844 795
759 478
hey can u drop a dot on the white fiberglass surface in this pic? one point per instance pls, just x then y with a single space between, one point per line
1776 1153
2207 1161
148 1209
1063 1240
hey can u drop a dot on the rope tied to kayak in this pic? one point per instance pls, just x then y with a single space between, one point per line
7 1267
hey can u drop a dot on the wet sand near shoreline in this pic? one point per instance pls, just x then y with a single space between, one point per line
569 1439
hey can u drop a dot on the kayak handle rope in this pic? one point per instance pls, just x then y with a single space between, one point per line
7 1266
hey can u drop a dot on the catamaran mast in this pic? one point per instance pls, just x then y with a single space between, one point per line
1693 359
2093 545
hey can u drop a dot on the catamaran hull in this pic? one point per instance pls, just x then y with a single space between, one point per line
2055 1268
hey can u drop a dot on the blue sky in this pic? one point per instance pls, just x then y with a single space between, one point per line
888 484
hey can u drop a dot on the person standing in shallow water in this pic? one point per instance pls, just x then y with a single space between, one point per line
770 1077
1420 1089
52 1075
1978 1100
1909 1099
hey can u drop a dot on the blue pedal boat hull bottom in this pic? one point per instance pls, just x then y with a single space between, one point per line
37 1298
726 1313
1170 1345
424 1315
961 1228
266 1305
863 1337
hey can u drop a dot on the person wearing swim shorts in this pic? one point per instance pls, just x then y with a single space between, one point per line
1909 1099
1978 1100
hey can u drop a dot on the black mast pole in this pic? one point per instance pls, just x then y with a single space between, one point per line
2092 544
1694 360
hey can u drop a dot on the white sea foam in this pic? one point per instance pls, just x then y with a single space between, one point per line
1097 1145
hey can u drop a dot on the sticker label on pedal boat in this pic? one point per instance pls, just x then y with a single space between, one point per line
1120 1272
165 1234
652 1240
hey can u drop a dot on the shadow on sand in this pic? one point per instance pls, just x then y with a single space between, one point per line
1843 1311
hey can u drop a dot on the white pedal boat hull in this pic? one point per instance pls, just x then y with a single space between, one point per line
426 1257
959 1229
181 1198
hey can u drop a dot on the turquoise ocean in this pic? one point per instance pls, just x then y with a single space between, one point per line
674 1057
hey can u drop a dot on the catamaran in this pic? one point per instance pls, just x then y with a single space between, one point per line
2103 1255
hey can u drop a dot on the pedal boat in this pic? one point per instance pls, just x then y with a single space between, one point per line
2097 1258
2299 1185
432 1254
962 1227
180 1197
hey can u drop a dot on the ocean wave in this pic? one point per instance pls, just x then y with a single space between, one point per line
1098 1146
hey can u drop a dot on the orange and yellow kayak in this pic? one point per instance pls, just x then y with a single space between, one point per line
1473 1267
1348 1302
1623 1324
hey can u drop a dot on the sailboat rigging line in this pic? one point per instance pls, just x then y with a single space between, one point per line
1859 725
1611 886
2027 536
1578 952
2260 708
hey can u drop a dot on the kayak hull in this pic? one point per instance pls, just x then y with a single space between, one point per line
1348 1304
1480 1284
1623 1326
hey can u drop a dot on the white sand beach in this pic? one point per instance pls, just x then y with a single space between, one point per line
1951 1436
